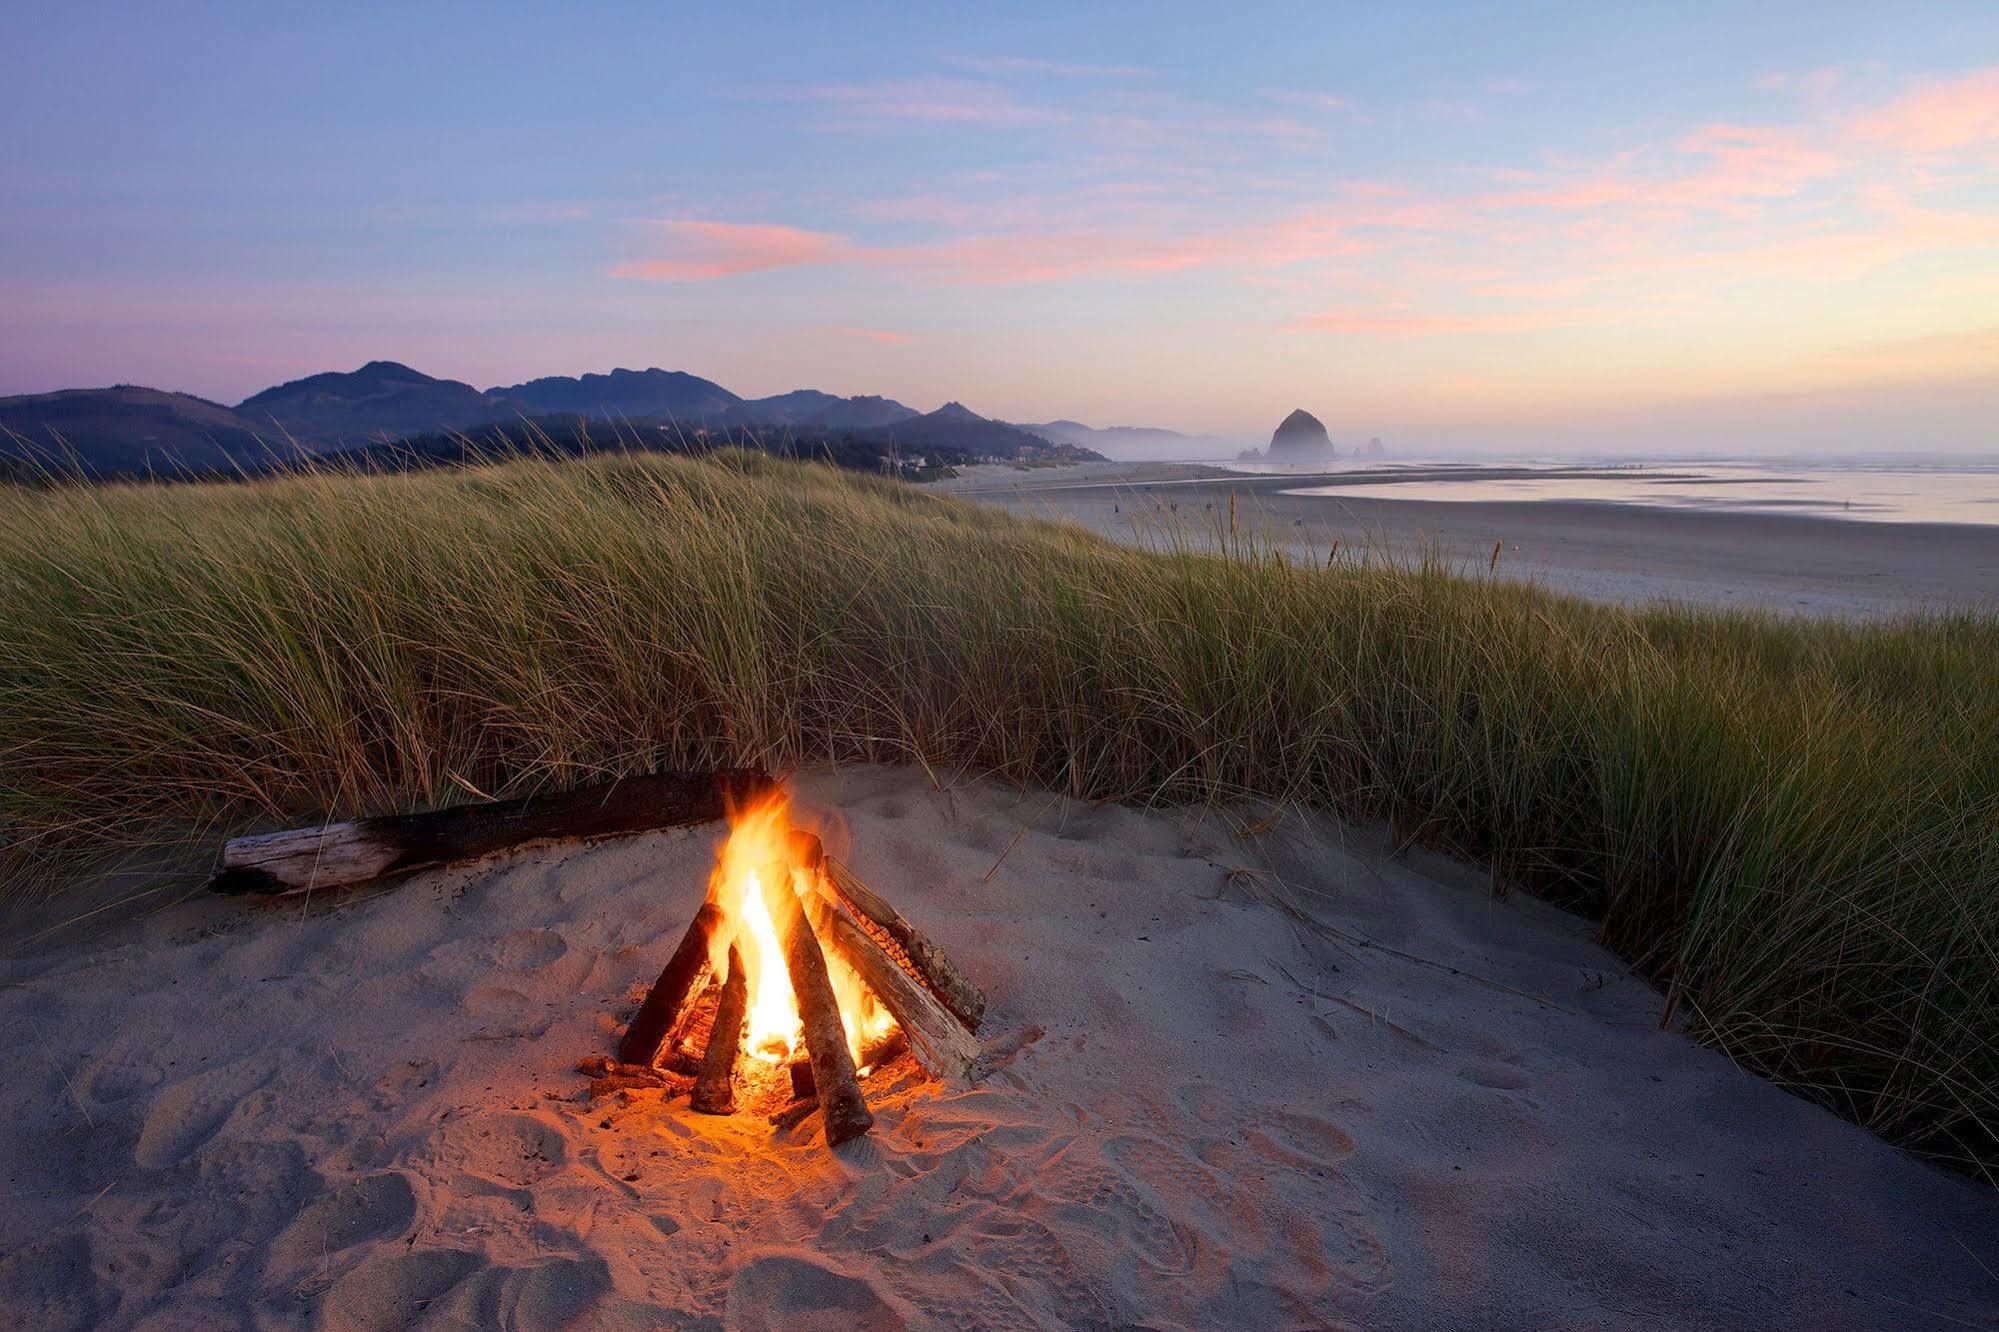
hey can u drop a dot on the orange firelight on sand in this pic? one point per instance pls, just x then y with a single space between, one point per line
758 847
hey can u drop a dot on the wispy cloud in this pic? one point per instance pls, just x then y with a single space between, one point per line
1403 322
1938 116
1311 101
1676 229
1813 84
684 250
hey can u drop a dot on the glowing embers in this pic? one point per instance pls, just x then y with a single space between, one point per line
795 979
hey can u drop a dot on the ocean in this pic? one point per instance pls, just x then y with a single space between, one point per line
1955 490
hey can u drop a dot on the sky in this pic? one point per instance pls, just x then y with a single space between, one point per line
1448 224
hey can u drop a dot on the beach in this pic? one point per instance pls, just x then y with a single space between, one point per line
1627 554
1263 1073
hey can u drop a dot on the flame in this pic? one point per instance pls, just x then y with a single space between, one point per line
758 844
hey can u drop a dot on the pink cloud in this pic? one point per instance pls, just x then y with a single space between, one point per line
700 251
1740 165
1936 117
1400 322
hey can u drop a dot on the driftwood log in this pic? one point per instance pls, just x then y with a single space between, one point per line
340 854
965 1000
838 1083
679 981
936 1037
898 938
715 1089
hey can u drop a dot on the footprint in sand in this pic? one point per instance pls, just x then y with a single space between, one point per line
391 1288
1301 1142
374 1207
511 1150
789 1292
51 1283
189 1112
1502 1076
1029 1256
507 1011
408 1078
109 1078
529 950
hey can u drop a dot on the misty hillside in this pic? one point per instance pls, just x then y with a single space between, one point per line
382 398
622 393
386 410
1127 442
803 407
130 431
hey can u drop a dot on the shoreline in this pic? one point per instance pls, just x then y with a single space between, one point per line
1601 550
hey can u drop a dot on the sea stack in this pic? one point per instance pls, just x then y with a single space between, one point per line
1300 435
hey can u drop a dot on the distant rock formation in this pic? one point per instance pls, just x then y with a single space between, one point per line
1374 449
1300 435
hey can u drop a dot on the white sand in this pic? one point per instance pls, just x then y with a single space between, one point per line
1627 554
362 1113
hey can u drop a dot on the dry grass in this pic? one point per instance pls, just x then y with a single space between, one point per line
1796 826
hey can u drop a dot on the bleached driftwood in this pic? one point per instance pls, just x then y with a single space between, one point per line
902 941
936 1037
965 1000
340 854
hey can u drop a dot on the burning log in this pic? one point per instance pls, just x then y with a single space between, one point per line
784 988
715 1089
928 962
936 1037
670 1083
682 977
839 1085
340 854
794 1114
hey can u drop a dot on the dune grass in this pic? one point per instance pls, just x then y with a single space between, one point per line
1794 826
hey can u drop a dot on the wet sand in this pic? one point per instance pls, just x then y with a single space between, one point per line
1621 553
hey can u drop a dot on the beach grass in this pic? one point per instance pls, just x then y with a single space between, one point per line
1792 825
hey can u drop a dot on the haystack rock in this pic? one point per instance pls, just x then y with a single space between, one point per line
1301 436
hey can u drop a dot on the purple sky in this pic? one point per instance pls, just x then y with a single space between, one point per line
1467 223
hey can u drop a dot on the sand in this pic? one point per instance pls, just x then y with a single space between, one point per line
1620 553
1284 1080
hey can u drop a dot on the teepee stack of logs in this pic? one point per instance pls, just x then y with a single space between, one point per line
691 1021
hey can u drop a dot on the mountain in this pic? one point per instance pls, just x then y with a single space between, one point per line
622 393
381 399
347 414
130 431
811 407
956 427
1300 435
1128 442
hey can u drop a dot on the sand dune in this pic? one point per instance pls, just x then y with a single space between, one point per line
1283 1081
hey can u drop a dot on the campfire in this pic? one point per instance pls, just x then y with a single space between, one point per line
793 982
